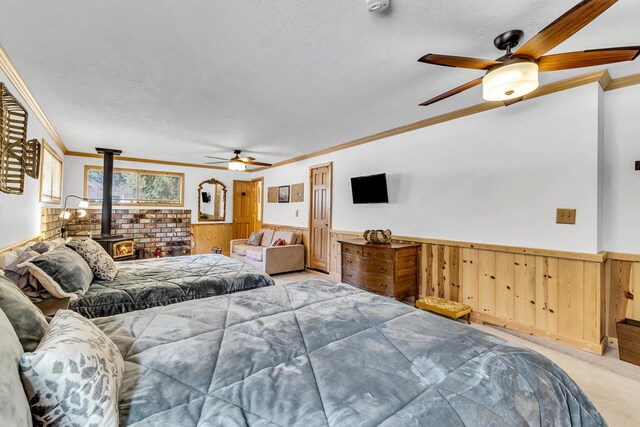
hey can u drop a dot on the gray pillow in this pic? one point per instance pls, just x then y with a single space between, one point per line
255 239
28 321
74 376
14 410
102 265
62 272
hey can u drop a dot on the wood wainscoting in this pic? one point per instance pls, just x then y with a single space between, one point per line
623 290
211 235
303 231
552 294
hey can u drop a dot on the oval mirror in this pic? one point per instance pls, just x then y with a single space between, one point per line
212 201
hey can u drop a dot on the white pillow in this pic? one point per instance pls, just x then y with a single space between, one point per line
8 258
74 376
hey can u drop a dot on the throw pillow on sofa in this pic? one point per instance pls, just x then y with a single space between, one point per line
102 265
255 239
279 242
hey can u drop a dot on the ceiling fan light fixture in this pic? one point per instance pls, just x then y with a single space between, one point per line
237 165
510 81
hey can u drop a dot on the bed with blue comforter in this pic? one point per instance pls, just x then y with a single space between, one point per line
153 282
316 353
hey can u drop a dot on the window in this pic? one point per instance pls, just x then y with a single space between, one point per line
50 175
132 187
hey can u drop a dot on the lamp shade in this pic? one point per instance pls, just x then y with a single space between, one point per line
83 204
236 165
510 81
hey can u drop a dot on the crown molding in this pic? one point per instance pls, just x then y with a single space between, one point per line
625 81
10 70
157 162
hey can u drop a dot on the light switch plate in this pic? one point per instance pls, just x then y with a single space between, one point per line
565 216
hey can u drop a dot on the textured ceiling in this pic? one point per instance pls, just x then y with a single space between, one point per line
175 80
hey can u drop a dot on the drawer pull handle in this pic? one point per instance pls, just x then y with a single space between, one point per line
349 261
349 275
383 269
367 253
383 286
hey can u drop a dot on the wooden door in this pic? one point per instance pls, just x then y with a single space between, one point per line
258 192
320 217
243 209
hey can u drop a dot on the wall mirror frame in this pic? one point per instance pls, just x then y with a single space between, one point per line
212 201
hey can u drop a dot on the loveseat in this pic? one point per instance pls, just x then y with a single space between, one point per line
271 259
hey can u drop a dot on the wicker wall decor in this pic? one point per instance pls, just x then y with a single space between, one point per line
272 195
32 152
297 193
13 134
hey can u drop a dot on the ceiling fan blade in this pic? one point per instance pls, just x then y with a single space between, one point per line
257 163
563 27
216 163
512 101
452 92
587 58
219 158
247 159
458 61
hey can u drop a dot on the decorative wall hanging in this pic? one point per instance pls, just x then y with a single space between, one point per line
297 193
13 134
283 194
272 195
31 158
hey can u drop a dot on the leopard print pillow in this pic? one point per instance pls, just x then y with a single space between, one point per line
74 376
102 265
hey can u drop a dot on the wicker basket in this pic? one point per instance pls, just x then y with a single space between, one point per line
13 134
377 236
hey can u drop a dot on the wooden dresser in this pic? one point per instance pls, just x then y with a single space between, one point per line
390 269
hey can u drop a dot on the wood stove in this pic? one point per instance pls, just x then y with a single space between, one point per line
119 247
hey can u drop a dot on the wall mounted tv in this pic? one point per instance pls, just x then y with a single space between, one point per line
369 189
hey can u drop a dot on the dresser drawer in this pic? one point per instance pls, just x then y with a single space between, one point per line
380 284
366 265
377 253
351 249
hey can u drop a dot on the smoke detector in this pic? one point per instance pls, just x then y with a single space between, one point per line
377 5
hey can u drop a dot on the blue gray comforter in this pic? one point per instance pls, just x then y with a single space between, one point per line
154 282
315 354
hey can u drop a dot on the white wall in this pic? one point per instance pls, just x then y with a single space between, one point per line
494 177
621 180
74 180
20 214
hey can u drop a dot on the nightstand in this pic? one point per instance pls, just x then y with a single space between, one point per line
49 307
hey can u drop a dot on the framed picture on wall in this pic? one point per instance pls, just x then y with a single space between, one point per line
50 175
283 194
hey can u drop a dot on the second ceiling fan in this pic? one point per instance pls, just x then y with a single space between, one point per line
237 163
515 74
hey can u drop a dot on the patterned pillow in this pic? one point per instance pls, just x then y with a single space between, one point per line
74 376
14 410
28 321
102 265
255 239
62 272
279 242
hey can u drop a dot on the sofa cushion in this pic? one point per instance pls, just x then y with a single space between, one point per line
241 248
288 236
255 239
254 254
267 237
14 410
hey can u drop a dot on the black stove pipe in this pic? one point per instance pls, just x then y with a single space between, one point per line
107 189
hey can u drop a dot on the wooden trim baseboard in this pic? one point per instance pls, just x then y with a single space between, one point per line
583 256
37 237
622 256
12 74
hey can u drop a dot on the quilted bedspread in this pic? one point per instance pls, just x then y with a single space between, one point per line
316 353
154 282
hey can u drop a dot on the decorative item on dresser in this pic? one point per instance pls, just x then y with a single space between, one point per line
377 236
387 269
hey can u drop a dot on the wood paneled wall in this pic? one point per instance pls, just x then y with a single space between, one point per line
623 296
211 235
544 293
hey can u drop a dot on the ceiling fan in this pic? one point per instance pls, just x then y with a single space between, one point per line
515 74
237 163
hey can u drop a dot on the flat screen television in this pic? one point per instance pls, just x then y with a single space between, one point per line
369 189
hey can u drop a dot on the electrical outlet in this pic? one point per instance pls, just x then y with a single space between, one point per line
565 216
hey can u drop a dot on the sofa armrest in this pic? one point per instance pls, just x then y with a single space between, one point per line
237 242
282 259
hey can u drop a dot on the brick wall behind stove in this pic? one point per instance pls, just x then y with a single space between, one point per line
150 228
